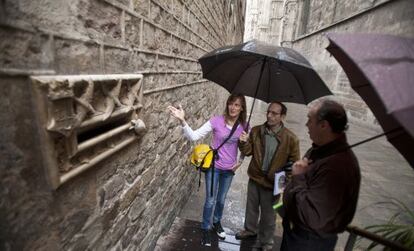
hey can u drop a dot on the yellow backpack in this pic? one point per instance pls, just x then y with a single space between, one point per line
202 157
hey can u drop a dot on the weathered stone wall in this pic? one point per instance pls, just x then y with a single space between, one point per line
315 15
126 201
384 17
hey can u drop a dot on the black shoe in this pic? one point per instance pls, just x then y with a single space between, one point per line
244 235
219 230
205 238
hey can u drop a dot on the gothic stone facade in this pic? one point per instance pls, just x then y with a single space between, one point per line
75 173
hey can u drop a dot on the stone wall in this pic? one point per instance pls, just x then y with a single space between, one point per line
384 17
126 201
315 15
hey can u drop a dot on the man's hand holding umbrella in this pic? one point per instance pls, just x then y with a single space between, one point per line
301 166
243 138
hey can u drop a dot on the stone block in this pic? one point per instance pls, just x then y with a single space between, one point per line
131 194
109 216
146 62
101 21
118 230
141 6
126 3
57 16
150 41
137 207
134 170
93 232
132 30
147 177
113 187
148 239
23 50
74 57
73 223
126 240
118 60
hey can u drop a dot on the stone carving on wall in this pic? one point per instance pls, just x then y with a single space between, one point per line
85 119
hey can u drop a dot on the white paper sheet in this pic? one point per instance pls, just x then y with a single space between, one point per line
280 182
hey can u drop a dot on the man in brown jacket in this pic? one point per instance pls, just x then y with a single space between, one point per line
271 146
321 198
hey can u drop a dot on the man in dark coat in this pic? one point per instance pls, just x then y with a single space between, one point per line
321 198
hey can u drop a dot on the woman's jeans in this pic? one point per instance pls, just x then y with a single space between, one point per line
221 185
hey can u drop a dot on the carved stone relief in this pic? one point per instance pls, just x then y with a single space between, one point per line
85 119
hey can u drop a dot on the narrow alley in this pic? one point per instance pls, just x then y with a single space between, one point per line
377 159
91 158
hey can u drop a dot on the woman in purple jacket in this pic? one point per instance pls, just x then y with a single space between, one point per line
225 165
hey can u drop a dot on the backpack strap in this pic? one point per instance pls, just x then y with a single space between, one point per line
233 129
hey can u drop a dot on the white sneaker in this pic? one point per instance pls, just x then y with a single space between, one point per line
205 238
219 230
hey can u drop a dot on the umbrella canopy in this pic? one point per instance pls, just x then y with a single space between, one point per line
380 69
263 71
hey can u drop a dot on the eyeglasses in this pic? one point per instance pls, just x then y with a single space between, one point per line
273 113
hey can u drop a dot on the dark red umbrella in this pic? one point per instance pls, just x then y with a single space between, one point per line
380 69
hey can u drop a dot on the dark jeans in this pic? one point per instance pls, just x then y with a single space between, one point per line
302 240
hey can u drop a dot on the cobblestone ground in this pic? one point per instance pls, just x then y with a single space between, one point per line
385 174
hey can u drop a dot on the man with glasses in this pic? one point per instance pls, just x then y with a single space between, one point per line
271 146
321 198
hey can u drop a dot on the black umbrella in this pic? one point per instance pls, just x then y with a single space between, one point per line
380 69
263 71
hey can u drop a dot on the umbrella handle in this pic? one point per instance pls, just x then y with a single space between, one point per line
257 89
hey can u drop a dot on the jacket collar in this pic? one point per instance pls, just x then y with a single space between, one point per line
338 145
278 134
265 126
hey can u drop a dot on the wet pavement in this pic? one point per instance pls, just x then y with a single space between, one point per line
385 175
185 235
